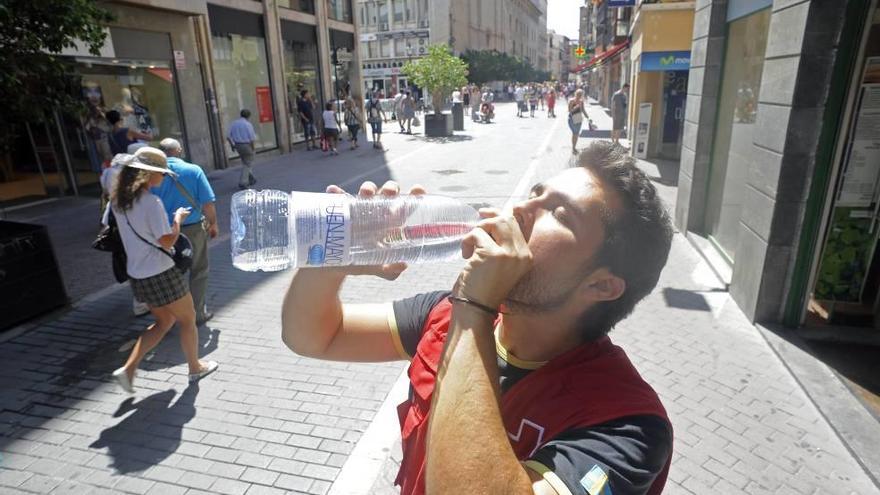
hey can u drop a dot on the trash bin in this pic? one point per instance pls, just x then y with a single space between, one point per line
457 117
30 282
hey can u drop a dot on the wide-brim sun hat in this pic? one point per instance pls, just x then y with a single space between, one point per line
149 158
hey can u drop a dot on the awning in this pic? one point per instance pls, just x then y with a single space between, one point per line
602 57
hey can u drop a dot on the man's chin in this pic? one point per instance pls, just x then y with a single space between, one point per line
519 306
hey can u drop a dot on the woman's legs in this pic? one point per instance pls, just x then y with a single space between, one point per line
151 337
183 312
409 125
574 141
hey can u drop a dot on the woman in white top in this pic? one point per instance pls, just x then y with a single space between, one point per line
155 280
331 127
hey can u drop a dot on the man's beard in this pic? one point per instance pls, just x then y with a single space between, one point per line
535 293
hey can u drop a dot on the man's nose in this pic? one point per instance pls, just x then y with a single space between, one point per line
524 212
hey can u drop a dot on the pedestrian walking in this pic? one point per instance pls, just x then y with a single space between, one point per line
375 115
191 189
353 119
466 97
476 100
242 138
519 95
331 127
121 137
107 180
619 103
503 363
551 104
396 112
154 278
533 101
576 114
306 108
408 110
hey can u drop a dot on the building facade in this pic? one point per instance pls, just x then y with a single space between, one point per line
660 56
778 183
559 56
185 69
391 32
609 42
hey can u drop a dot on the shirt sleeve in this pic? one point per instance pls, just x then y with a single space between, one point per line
251 133
409 317
204 192
157 219
621 457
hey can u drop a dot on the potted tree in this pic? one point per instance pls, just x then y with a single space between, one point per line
439 72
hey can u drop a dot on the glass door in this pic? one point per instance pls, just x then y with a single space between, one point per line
737 112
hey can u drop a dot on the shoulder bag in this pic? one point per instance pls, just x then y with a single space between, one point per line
181 253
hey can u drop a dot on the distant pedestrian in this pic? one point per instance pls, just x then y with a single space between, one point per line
191 189
466 98
148 239
519 95
551 104
306 108
619 103
120 136
476 99
353 118
576 114
408 109
396 112
242 138
331 127
375 115
533 101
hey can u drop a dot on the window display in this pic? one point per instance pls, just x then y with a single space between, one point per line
301 71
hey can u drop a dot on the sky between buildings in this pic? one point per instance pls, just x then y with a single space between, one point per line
562 17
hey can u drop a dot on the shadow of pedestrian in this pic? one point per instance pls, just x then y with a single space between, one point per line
154 417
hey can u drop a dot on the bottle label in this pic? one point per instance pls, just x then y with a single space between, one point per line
323 229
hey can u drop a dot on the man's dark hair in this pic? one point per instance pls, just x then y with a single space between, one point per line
113 117
638 234
245 113
303 93
329 105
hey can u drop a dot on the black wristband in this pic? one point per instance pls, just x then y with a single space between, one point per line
481 307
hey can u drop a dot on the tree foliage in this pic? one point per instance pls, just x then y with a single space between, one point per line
439 72
492 65
34 79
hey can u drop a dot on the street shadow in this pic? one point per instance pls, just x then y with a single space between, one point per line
155 421
455 138
596 133
69 359
685 299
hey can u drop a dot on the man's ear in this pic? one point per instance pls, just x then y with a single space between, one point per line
602 285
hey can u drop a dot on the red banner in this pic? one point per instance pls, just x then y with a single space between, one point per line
264 104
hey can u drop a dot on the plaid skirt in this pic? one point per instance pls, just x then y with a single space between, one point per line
161 289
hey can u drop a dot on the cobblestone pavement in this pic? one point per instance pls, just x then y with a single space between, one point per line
269 421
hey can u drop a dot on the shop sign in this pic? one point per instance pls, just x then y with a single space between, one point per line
392 71
366 37
179 60
660 61
344 56
396 35
621 3
264 104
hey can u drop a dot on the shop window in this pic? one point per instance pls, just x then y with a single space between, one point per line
737 112
241 72
301 71
339 10
343 70
307 6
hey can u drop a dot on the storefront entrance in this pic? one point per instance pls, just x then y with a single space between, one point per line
674 99
845 278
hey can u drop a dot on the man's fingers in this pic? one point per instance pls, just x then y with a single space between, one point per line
490 212
367 190
417 190
390 189
334 189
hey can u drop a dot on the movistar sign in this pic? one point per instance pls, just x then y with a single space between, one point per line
658 61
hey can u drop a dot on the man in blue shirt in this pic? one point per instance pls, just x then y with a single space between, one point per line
242 138
201 223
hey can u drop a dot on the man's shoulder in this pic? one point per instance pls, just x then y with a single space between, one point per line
184 168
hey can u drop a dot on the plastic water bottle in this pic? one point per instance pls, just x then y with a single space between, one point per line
275 230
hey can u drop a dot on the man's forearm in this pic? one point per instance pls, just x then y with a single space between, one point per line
468 448
210 212
312 312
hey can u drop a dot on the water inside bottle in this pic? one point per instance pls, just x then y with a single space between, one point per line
259 230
